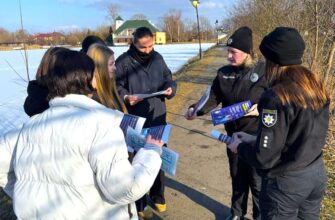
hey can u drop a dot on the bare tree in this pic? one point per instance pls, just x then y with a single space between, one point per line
102 31
207 30
112 12
312 18
173 25
5 36
139 17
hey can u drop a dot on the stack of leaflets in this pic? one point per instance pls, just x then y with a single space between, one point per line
137 141
132 121
230 113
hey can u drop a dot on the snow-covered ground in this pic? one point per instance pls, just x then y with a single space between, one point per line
13 86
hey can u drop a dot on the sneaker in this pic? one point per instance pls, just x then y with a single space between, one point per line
160 207
146 213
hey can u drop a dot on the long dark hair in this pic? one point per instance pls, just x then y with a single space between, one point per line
42 69
296 85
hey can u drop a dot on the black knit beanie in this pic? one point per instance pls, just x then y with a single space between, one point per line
241 39
89 40
283 46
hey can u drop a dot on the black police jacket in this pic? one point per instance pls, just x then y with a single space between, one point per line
134 78
289 138
233 85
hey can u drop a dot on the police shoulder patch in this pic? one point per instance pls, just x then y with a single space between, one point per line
230 41
269 117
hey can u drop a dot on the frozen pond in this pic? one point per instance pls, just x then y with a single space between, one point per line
13 85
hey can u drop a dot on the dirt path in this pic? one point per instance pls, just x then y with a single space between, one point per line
202 187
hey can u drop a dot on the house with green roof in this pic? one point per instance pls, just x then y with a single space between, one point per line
123 33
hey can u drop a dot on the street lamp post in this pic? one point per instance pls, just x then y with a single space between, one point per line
195 4
217 31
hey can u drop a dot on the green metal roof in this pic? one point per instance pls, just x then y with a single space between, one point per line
118 18
133 24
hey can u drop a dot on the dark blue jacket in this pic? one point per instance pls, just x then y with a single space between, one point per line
134 78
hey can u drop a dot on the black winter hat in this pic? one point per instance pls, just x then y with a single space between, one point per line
89 40
283 46
241 39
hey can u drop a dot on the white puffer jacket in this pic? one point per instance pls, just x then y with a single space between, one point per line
71 162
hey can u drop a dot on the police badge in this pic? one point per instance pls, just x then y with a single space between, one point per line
269 117
254 77
230 40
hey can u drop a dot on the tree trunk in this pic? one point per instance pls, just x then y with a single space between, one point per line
316 39
330 63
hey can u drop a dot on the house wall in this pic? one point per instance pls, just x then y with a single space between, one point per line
160 38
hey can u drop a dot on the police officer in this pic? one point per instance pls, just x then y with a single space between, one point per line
239 81
294 122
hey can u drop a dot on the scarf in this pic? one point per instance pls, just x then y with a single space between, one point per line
142 58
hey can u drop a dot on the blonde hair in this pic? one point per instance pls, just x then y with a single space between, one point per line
296 85
249 61
106 86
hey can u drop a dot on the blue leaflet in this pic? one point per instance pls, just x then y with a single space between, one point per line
221 137
132 121
169 161
134 139
230 113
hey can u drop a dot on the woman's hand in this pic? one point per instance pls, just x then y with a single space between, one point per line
168 91
252 111
133 99
151 140
234 145
244 137
190 114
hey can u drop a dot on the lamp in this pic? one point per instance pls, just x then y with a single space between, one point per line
217 31
195 4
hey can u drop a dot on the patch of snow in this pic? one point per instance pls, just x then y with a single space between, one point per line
13 87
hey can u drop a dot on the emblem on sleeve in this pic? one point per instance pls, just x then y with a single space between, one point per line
230 41
269 117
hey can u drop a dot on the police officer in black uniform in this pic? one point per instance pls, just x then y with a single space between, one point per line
294 122
239 81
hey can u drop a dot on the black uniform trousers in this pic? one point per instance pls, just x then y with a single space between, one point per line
295 194
243 177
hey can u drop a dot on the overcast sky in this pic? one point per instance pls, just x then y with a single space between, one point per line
55 15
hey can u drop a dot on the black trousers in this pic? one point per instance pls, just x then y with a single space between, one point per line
244 177
156 192
294 195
